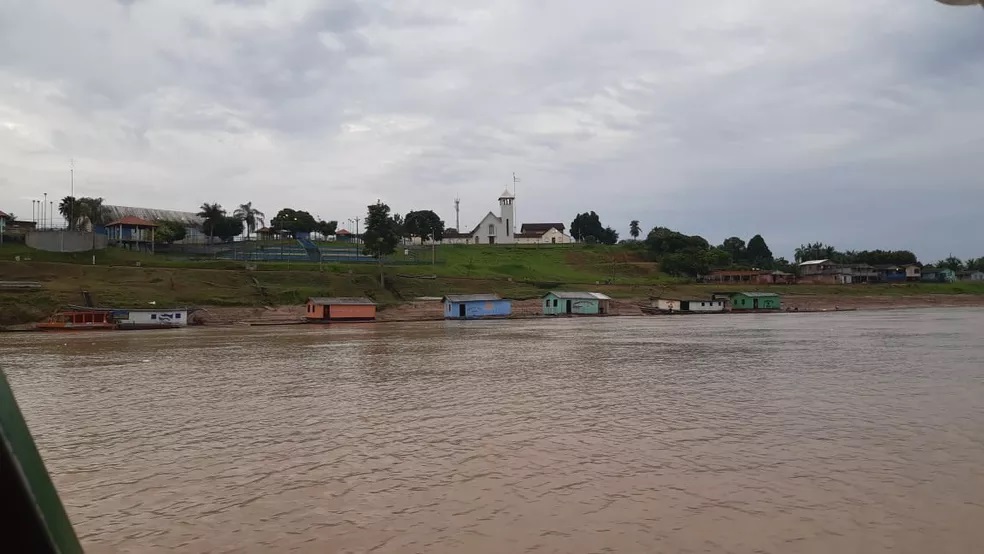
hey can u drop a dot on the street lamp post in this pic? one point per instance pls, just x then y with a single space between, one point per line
44 216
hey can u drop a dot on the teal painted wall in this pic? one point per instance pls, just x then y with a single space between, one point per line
742 302
578 306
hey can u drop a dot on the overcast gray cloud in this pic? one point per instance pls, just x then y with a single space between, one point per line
855 123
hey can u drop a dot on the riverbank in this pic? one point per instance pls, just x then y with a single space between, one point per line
429 310
231 294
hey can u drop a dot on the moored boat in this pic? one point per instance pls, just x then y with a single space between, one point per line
86 319
82 318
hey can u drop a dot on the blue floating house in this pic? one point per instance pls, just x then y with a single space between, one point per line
475 306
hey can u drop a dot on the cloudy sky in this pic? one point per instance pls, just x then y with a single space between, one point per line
857 123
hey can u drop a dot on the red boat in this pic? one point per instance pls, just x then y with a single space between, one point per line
80 320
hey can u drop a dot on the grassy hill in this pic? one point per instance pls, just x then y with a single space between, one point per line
124 278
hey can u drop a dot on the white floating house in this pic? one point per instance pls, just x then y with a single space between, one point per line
151 319
673 305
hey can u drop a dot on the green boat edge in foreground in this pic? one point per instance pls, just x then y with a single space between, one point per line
38 521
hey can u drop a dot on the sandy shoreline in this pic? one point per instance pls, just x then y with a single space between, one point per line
426 310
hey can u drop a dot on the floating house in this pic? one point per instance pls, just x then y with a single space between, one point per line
673 305
747 301
88 318
475 306
320 309
971 275
151 319
576 303
938 275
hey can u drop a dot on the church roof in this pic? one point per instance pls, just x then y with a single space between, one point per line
541 228
506 194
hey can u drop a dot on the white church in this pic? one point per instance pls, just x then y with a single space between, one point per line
501 229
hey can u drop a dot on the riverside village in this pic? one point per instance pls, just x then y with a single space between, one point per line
676 273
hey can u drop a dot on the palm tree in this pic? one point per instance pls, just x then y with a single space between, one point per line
92 210
250 216
634 228
211 213
70 208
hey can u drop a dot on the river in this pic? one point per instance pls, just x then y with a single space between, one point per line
788 433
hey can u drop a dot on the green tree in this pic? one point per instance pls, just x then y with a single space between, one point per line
424 224
250 216
972 264
95 213
634 229
587 228
381 235
759 254
169 232
228 228
327 228
951 262
815 251
608 236
71 210
735 247
292 221
211 213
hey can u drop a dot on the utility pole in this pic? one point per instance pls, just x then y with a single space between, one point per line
44 206
516 222
457 214
357 249
71 209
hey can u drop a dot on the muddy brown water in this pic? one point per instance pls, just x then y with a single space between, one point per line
851 432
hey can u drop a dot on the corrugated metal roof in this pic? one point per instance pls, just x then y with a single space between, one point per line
471 297
758 294
151 214
132 220
579 295
329 301
815 262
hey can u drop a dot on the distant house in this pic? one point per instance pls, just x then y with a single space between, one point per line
132 233
972 275
673 305
889 273
543 233
743 301
190 220
913 272
830 273
576 303
321 309
938 275
757 276
475 306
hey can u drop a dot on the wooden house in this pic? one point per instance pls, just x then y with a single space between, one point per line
748 301
476 306
576 303
684 306
320 309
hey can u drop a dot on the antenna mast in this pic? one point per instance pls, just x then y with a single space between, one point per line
457 214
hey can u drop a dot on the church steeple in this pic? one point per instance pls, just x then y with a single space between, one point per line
507 211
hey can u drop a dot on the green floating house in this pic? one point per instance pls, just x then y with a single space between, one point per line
747 301
576 303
